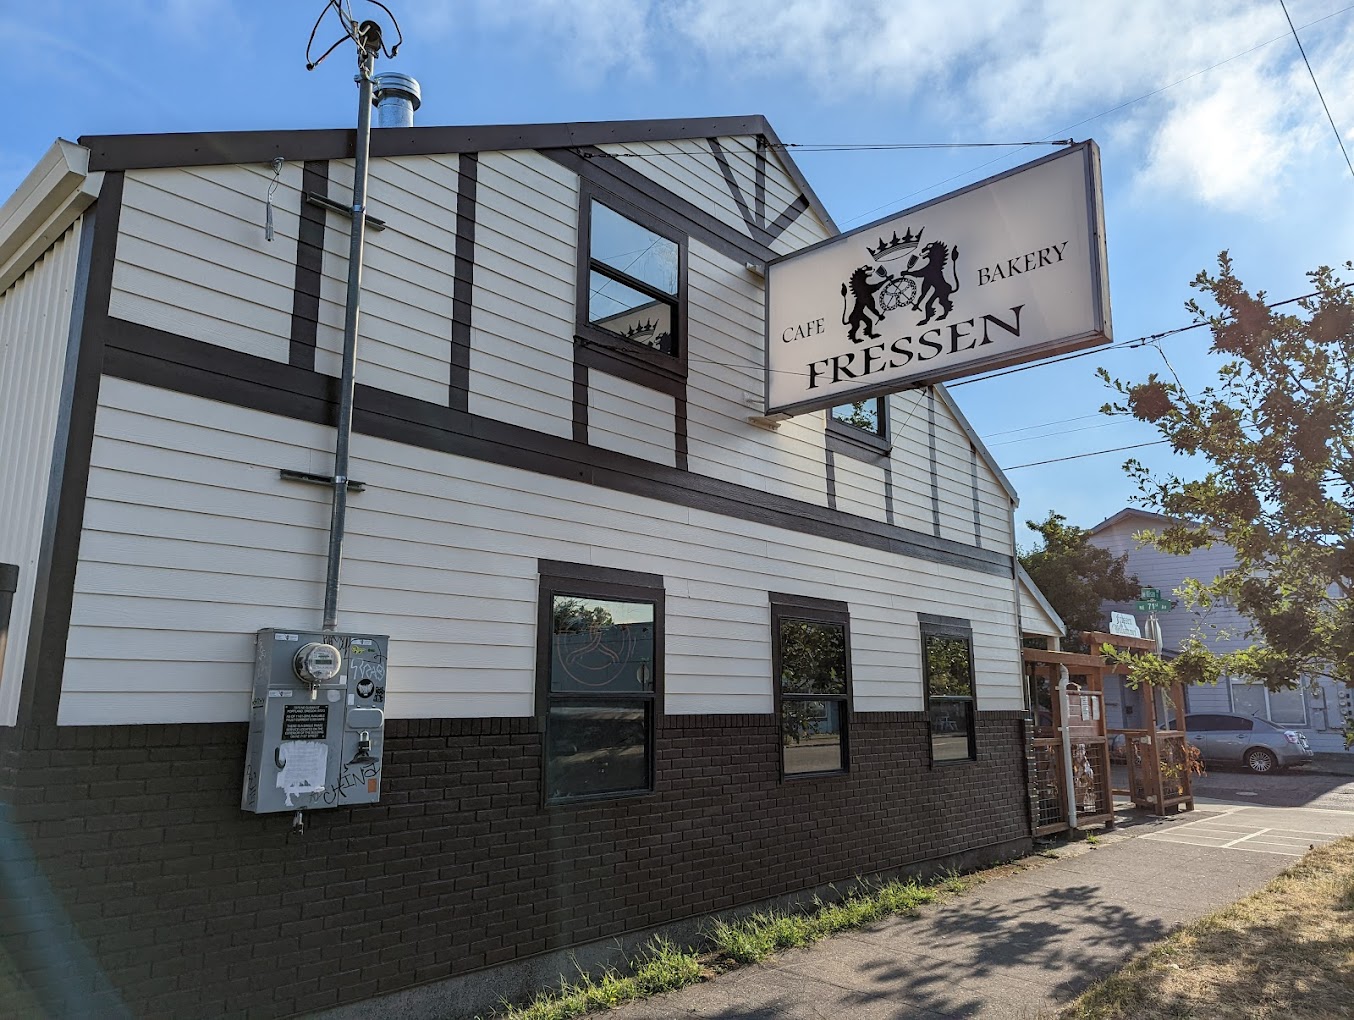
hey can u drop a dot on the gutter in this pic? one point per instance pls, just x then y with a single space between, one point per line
52 197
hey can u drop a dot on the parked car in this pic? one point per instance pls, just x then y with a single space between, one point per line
1257 744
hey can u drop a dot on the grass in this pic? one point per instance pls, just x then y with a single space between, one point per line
1286 952
663 966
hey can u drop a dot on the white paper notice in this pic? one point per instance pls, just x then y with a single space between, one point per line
305 763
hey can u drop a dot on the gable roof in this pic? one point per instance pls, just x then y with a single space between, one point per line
209 148
1028 587
1129 513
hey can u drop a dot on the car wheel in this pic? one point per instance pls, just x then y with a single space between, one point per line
1260 760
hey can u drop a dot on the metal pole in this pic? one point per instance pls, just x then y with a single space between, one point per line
339 515
1069 780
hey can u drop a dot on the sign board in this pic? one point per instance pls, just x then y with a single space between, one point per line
1124 625
1008 270
1153 605
1150 594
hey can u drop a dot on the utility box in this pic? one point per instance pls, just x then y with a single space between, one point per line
316 721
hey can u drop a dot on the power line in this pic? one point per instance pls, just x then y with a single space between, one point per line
1303 50
1079 456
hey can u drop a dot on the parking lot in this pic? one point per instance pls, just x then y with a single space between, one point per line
1298 787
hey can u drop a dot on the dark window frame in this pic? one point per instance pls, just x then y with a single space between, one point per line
586 581
954 628
857 442
609 352
813 610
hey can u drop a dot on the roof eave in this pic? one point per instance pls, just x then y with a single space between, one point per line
53 195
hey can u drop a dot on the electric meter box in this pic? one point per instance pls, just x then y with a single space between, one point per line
316 721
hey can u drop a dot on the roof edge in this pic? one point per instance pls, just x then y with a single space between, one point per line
978 444
207 148
1125 514
48 200
1040 600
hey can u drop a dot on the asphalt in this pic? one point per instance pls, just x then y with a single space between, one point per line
1024 944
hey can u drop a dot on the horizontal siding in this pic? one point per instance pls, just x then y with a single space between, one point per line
408 275
633 419
522 325
860 488
1223 627
35 318
726 314
192 542
192 257
688 168
911 457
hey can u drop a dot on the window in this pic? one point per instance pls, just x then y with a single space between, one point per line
1285 707
631 287
811 664
860 429
599 671
947 664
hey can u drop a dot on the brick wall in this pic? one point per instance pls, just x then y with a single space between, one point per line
193 908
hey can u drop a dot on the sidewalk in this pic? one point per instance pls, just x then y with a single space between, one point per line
1020 946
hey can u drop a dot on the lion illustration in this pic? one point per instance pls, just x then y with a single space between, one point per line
932 285
863 291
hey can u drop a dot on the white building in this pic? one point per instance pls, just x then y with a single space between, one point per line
1314 710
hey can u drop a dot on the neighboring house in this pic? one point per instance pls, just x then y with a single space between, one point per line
1315 711
566 489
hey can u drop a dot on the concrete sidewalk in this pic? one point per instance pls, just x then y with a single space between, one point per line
1024 944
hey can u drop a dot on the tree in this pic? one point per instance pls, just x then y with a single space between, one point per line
1075 576
1276 432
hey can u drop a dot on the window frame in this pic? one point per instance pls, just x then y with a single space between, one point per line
857 442
585 581
811 610
1300 690
607 351
949 627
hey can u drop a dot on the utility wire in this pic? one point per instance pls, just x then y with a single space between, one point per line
1078 456
1303 50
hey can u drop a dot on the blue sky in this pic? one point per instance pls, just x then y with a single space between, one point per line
1211 132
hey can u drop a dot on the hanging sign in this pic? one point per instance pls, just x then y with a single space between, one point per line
1008 270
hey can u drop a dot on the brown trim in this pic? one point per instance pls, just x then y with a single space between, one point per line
580 401
755 219
305 312
786 606
150 356
830 476
9 584
888 491
462 301
679 431
54 591
207 148
934 467
629 185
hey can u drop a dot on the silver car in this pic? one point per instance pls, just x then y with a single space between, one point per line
1242 740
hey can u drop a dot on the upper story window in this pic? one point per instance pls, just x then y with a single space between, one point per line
632 282
860 428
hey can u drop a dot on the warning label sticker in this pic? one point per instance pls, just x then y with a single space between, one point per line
305 722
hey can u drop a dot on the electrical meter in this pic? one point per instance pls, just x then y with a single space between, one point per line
316 721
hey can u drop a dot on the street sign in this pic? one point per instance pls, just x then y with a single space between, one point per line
1150 595
1153 606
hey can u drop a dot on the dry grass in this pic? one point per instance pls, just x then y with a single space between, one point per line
1284 953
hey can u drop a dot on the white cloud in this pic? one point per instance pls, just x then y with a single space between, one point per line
1228 137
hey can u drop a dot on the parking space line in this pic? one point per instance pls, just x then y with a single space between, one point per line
1252 835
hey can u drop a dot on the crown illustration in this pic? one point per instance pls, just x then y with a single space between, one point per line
641 331
896 245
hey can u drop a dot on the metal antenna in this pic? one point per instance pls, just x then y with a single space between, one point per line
368 36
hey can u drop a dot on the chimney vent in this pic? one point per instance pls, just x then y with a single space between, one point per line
396 98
